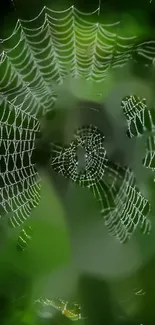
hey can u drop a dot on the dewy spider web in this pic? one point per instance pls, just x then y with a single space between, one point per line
19 179
122 205
71 310
140 119
39 53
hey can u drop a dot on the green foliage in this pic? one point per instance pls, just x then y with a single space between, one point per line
64 250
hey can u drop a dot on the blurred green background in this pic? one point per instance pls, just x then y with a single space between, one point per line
71 255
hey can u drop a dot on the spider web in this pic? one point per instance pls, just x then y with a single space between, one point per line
122 205
24 238
19 180
131 210
141 120
39 54
72 310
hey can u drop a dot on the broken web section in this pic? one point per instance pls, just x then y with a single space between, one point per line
71 310
141 120
131 209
